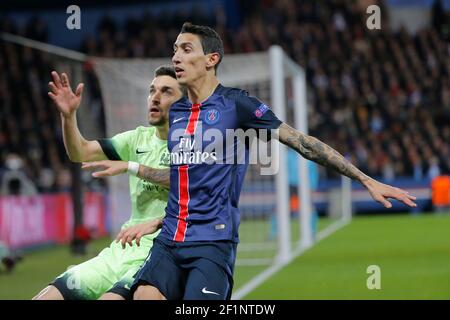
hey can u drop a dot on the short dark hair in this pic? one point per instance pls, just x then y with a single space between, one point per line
209 38
165 71
168 70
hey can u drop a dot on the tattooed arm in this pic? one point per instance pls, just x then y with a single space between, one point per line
109 168
317 151
157 176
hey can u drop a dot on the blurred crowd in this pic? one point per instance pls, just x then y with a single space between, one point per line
382 98
32 155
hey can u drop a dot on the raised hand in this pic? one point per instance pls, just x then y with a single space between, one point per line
62 95
380 192
108 168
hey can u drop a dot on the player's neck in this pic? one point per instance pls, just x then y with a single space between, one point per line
162 132
202 88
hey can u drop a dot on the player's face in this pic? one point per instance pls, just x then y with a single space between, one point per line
164 90
189 60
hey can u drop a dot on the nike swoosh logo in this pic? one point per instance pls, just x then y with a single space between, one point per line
209 292
176 120
127 287
140 151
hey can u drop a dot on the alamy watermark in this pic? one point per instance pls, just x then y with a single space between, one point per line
374 280
232 146
73 279
74 20
374 20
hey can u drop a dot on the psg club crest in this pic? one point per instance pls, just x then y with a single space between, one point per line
212 116
261 110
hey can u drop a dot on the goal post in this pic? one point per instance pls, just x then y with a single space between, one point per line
282 190
282 66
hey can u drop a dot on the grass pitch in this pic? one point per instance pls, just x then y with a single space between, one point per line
413 253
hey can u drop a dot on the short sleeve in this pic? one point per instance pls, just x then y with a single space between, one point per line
119 146
253 114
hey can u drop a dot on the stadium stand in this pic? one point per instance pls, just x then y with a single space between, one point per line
380 98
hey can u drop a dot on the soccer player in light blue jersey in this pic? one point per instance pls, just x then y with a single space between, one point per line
110 274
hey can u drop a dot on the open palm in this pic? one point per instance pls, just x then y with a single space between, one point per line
381 192
62 95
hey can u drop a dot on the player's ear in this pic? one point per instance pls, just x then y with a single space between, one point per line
212 59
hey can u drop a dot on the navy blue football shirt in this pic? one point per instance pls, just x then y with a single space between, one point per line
205 180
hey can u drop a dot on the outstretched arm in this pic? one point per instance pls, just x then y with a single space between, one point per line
67 102
109 168
317 151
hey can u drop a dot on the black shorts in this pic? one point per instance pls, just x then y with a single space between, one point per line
189 270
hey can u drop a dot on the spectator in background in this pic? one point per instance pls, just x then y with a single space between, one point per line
14 179
7 258
439 17
433 168
388 170
440 190
46 182
417 167
81 238
64 180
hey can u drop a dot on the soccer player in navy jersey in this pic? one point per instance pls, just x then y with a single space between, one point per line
193 257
